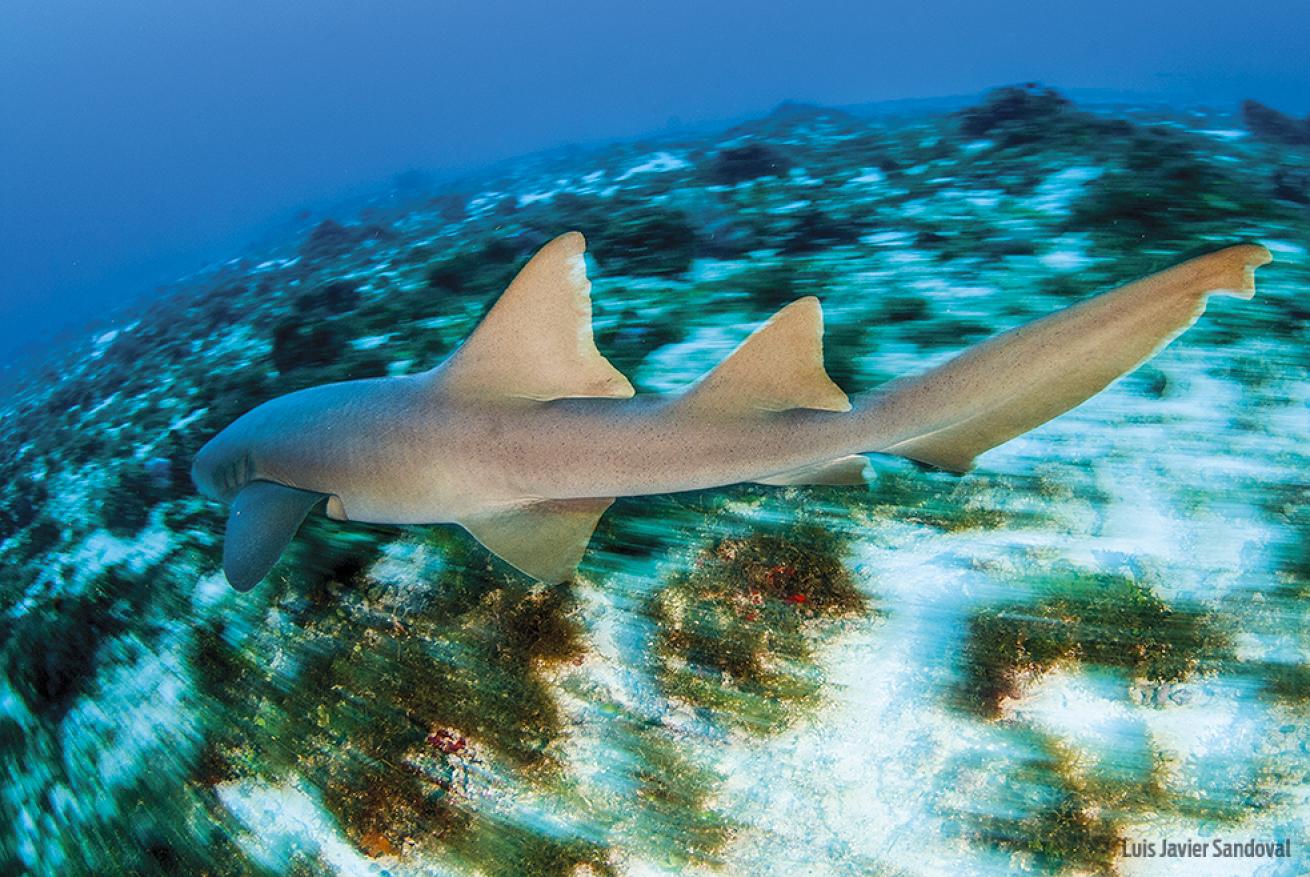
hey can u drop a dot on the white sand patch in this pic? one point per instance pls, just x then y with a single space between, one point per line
789 207
139 718
371 342
537 198
868 176
1058 192
658 163
1067 257
286 819
674 367
1286 250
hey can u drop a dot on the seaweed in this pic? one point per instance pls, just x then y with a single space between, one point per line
1274 126
297 345
1017 114
482 270
423 693
1097 619
330 299
51 657
732 631
329 240
1051 813
741 164
126 506
816 230
657 244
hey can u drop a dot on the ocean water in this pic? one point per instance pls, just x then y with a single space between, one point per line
1090 648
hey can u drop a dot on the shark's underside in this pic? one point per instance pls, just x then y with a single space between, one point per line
526 434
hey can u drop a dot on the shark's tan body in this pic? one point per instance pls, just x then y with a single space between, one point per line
526 434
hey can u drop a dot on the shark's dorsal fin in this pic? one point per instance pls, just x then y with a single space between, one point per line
545 539
536 341
780 366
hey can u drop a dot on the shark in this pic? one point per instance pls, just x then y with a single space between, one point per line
526 434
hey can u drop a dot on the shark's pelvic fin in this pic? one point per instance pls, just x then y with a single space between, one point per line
536 341
841 471
1023 378
264 518
779 367
544 539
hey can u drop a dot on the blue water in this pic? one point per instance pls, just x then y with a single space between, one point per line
142 140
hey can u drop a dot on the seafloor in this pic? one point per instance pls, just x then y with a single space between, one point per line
1097 639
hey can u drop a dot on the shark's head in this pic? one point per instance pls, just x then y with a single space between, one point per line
264 515
222 468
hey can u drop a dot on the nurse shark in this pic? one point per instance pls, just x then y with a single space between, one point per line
526 433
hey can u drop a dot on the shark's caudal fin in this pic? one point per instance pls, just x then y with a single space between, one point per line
263 519
536 341
1016 381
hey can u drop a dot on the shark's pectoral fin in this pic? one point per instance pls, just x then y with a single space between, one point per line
536 341
544 539
264 518
841 471
780 366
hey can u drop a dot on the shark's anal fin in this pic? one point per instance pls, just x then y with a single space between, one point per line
544 539
843 471
779 367
263 520
536 341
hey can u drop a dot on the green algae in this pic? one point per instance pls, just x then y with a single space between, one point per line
482 269
1060 811
263 665
51 658
397 708
946 502
670 813
1094 619
658 796
733 631
393 706
675 796
1049 815
504 849
653 243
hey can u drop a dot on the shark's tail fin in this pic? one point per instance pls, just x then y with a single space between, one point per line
1016 381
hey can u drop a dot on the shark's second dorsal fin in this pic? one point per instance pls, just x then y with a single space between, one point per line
536 341
780 366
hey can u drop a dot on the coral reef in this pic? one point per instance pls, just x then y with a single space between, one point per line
1097 619
1101 632
735 631
1270 124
